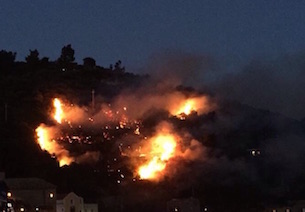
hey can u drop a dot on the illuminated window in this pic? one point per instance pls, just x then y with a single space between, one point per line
22 209
205 209
51 195
36 209
287 210
274 210
9 205
9 194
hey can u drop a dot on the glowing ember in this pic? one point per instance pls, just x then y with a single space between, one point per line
58 115
162 149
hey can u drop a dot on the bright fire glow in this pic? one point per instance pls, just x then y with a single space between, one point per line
46 143
58 114
162 149
185 107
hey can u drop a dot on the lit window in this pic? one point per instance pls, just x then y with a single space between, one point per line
274 210
22 209
36 209
176 209
9 194
9 205
51 195
205 209
287 210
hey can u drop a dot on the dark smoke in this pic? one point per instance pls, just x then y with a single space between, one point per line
276 85
179 68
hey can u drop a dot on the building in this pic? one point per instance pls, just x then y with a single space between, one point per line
183 205
31 194
73 203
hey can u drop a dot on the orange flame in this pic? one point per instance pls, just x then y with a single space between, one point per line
162 149
46 143
185 107
58 114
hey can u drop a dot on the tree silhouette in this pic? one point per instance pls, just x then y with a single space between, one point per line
67 54
118 66
7 59
66 58
32 58
89 63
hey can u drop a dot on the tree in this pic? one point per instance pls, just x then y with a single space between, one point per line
33 58
89 63
7 59
67 55
118 66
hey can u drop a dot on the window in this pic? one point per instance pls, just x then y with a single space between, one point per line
274 210
287 210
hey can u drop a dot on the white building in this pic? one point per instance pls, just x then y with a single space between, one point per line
74 203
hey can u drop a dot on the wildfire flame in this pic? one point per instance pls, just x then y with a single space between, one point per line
162 149
58 114
185 107
156 153
46 143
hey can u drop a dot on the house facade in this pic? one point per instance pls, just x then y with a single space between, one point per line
73 203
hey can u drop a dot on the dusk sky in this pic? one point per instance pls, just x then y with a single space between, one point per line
132 31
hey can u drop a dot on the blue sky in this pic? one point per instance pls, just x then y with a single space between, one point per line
132 31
